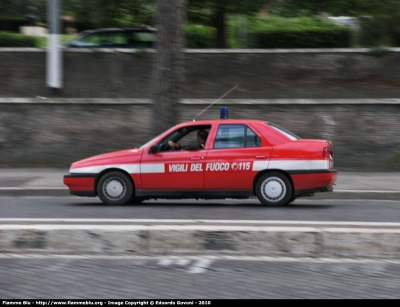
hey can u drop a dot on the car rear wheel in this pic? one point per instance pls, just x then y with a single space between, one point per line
292 199
274 189
115 188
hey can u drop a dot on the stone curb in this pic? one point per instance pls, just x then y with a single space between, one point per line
274 241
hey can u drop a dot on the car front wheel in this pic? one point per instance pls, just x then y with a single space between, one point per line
274 189
115 188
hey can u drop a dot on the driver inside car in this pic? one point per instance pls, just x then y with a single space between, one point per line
201 140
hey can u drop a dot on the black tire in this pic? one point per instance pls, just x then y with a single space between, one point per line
115 188
292 199
274 189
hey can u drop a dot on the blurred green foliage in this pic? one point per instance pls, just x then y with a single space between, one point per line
17 40
379 31
90 14
20 40
215 14
18 8
266 31
295 8
41 42
234 23
199 36
270 22
312 38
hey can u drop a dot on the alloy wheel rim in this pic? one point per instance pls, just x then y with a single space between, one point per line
273 189
114 188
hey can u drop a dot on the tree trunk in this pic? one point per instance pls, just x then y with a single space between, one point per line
219 22
168 71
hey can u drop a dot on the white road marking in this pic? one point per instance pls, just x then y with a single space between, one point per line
165 262
183 262
180 262
200 266
200 258
182 223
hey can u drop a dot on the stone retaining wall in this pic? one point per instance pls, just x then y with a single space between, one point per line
351 96
261 74
55 132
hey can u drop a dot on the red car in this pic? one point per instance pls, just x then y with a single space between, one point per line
240 159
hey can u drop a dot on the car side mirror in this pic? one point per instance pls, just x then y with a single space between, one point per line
154 149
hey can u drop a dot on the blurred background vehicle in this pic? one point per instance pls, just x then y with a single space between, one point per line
114 38
348 21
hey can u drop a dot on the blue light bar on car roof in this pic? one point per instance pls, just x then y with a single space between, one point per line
223 113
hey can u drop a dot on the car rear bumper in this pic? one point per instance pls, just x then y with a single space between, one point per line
313 181
311 192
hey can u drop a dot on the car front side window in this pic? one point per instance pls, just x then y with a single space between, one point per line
185 137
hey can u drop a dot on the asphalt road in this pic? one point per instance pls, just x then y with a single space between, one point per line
132 278
121 276
310 209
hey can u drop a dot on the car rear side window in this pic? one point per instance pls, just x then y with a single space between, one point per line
252 140
236 136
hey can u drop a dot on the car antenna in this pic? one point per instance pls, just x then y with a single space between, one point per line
201 112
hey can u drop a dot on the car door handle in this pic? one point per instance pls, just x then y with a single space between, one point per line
196 158
260 157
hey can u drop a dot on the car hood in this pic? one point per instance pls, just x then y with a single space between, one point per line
116 158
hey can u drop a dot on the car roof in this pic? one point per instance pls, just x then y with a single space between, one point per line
221 121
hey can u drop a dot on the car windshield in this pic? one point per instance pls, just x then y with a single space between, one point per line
184 135
289 134
144 145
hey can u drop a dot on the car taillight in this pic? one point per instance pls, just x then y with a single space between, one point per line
327 152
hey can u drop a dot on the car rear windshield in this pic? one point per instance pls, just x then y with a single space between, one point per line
289 134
